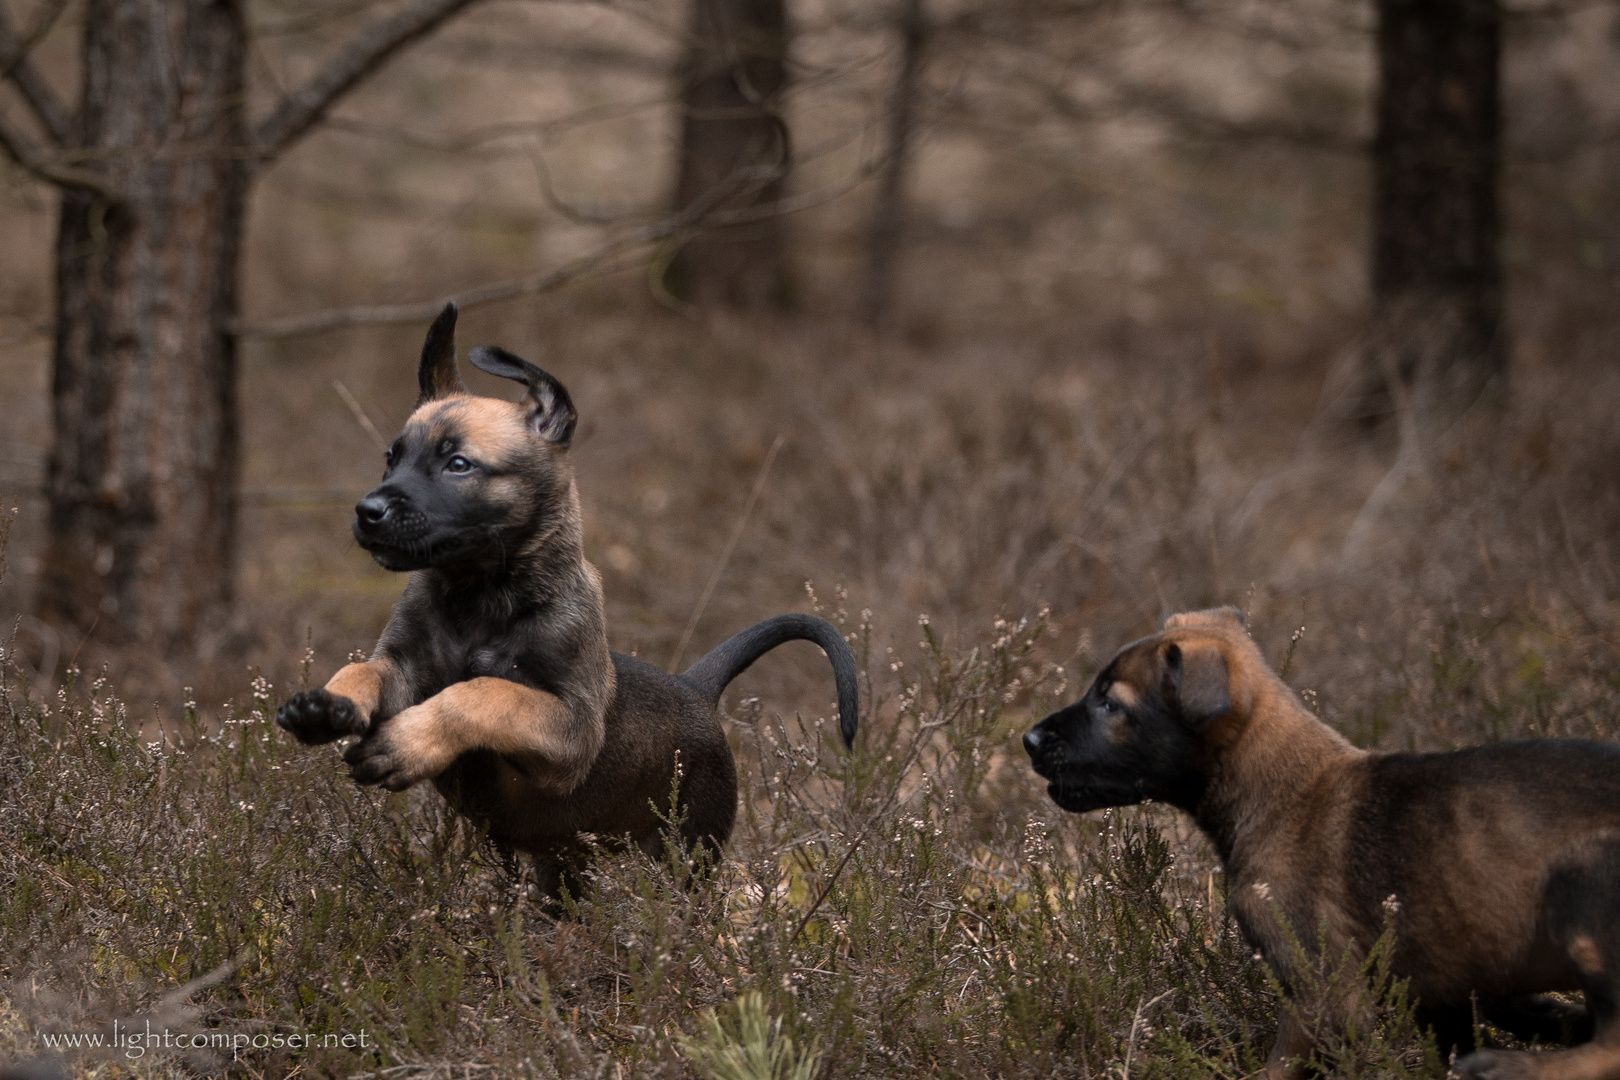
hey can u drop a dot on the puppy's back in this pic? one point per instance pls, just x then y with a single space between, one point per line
1465 842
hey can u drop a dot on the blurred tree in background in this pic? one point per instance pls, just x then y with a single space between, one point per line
1353 201
887 231
154 165
1437 334
735 152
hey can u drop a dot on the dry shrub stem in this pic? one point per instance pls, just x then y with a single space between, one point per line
915 907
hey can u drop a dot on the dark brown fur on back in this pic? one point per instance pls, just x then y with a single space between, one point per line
1501 863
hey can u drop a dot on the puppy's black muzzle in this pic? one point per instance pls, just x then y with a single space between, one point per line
1044 749
1034 739
371 511
392 529
1070 782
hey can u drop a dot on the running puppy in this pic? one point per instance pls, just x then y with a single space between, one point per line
493 677
1502 862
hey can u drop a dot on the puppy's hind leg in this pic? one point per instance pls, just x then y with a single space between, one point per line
1583 917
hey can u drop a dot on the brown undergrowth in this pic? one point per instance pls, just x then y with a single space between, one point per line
914 908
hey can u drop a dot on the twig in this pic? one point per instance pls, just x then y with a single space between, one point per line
725 556
1136 1024
826 889
15 67
360 415
367 51
384 314
21 149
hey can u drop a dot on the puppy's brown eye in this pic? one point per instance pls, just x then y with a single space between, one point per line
458 464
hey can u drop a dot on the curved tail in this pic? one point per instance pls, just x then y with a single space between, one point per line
710 675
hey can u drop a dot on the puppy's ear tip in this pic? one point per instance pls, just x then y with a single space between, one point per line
494 360
443 323
436 374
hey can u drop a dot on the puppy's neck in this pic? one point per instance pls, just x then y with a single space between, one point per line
1269 772
543 570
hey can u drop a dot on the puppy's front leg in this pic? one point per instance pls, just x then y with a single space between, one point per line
346 705
1294 1043
534 729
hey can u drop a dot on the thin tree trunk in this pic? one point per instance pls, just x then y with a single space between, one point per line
142 473
1436 276
733 137
887 231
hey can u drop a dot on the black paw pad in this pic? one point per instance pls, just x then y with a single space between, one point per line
315 716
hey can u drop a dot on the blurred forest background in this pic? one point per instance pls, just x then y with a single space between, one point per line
955 310
1094 304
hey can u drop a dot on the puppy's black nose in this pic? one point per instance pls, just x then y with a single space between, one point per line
1033 739
372 509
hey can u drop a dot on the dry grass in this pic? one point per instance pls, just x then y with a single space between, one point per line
1110 397
918 907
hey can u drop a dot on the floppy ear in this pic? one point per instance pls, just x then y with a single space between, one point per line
437 374
1196 679
551 410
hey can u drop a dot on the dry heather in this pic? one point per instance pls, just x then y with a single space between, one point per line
911 909
1111 394
915 908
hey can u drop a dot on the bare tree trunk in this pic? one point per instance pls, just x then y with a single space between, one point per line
734 140
154 174
1436 275
887 231
142 473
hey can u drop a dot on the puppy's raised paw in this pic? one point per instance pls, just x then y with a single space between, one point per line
399 752
1498 1065
316 716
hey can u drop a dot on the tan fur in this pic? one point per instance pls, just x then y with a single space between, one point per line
1594 1061
1125 694
531 726
493 428
1299 785
1584 951
361 684
1284 796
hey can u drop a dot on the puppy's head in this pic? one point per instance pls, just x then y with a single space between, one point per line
1153 718
470 479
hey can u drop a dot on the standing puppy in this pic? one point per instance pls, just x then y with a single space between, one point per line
493 677
1502 862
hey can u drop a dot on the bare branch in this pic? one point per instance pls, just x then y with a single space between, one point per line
383 314
14 66
884 233
478 139
369 50
1188 119
465 213
21 149
527 57
1195 123
700 212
